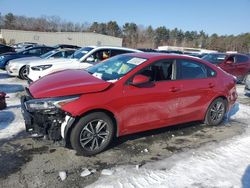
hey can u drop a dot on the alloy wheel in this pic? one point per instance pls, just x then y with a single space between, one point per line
94 135
217 111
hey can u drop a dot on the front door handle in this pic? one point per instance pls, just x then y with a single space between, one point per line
174 89
211 85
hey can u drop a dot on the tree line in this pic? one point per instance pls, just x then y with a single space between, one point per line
134 36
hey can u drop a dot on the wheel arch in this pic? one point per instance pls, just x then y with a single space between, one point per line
107 112
22 67
217 97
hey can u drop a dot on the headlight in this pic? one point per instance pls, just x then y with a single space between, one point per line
41 67
48 104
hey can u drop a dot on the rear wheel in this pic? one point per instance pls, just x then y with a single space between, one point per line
216 112
23 73
92 134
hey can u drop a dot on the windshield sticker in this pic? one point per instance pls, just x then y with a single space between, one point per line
136 61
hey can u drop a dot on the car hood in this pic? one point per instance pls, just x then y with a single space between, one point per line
65 83
52 61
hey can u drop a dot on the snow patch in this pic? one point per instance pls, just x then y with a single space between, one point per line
215 165
11 120
85 172
107 172
63 175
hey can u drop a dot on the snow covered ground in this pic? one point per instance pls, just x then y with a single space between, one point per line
11 121
225 164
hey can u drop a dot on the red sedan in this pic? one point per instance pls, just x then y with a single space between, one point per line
126 94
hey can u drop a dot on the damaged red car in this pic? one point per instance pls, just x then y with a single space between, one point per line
123 95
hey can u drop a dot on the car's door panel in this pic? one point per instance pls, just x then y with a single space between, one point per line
150 106
195 90
153 104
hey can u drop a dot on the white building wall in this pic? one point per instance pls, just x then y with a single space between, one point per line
53 38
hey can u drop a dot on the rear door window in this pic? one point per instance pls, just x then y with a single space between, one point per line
188 69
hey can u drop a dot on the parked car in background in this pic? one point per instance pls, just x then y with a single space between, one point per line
199 55
237 65
33 51
170 51
215 58
24 45
81 59
5 49
17 67
126 94
60 46
147 50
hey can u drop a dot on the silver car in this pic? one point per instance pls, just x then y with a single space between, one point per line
17 67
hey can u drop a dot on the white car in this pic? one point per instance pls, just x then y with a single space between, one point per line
81 59
17 67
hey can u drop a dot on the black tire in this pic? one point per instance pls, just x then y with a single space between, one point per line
216 112
23 73
92 134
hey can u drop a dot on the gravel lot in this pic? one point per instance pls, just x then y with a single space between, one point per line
25 162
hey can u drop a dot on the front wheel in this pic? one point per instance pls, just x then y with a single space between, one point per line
92 134
23 73
216 112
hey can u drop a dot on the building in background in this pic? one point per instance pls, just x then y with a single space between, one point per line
53 38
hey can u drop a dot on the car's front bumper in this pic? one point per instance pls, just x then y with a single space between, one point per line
53 125
13 71
35 75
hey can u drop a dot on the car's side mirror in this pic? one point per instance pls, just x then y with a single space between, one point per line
140 79
90 59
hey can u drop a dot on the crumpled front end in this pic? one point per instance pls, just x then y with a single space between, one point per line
44 117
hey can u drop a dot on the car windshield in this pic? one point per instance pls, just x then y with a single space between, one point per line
48 54
214 58
115 68
81 52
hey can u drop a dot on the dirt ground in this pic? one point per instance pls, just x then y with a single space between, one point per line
35 163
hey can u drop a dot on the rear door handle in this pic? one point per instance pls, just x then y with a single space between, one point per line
211 85
174 89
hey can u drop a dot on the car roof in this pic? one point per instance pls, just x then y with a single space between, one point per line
158 56
228 54
64 49
149 55
114 47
